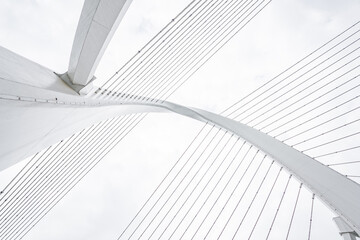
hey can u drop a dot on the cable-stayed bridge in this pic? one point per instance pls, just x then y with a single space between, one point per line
279 143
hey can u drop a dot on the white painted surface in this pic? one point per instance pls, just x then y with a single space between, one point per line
98 21
33 126
28 126
194 114
15 68
38 109
344 229
338 192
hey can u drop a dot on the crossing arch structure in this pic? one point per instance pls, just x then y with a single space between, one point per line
49 107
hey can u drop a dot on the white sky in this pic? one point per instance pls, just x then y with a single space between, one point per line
105 200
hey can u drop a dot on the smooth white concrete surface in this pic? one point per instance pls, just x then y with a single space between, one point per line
38 109
41 118
29 126
345 230
15 68
335 190
98 21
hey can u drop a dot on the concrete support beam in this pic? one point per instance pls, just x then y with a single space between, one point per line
345 230
98 21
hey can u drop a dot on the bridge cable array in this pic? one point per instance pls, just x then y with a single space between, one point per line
59 164
308 109
179 50
57 172
346 75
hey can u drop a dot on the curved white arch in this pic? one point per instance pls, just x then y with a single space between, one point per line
38 110
341 194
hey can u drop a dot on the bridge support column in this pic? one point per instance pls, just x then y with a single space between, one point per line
97 24
345 230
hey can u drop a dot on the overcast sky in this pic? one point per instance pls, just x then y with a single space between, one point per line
103 202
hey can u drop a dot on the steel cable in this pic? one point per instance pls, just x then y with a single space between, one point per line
169 57
201 40
162 181
230 196
299 77
296 71
319 115
12 182
321 124
141 51
227 168
311 215
229 36
217 183
292 66
207 145
266 200
312 100
227 183
64 179
253 199
342 163
51 183
293 212
278 208
156 53
242 196
336 152
24 200
326 132
197 184
307 95
85 172
332 141
188 184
